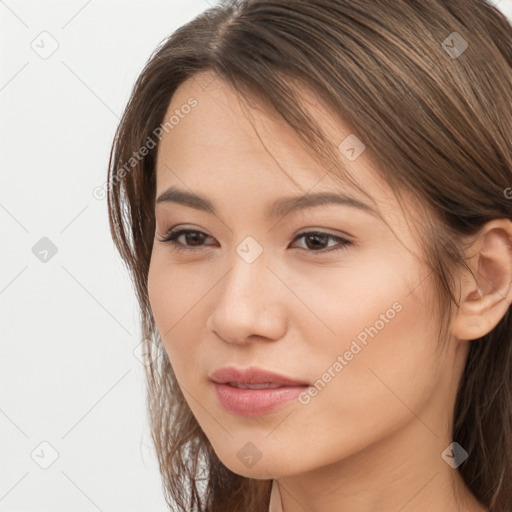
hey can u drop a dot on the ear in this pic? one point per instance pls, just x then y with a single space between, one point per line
485 301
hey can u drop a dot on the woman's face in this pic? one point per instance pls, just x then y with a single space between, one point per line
350 316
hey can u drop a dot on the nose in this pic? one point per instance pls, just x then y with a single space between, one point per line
250 304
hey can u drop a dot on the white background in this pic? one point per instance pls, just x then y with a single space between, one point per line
69 326
69 371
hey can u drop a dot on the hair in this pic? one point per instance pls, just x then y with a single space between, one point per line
438 124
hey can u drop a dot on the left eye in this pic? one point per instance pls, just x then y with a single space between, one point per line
314 240
318 238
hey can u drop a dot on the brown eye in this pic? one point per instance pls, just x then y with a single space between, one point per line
191 238
316 241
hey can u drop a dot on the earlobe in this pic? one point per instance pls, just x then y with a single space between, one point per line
484 301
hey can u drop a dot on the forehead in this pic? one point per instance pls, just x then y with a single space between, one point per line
224 140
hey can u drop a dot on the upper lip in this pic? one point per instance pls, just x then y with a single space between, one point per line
253 375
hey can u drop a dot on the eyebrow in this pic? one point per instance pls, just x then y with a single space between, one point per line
279 208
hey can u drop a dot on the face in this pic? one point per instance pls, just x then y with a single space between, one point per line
326 295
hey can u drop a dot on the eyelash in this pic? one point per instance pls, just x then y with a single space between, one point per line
171 237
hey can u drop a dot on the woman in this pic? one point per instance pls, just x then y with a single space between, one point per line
313 200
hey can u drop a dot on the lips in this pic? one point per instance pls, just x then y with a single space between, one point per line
254 391
253 378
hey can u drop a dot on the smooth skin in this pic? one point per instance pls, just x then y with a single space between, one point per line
371 440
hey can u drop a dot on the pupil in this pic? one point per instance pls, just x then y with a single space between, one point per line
315 237
194 237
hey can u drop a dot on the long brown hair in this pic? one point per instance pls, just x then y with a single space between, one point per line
427 85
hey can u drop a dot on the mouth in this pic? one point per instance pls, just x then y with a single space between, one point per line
254 392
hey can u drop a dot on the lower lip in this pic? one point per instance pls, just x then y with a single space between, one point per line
255 402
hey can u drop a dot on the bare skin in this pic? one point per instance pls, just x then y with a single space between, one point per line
371 440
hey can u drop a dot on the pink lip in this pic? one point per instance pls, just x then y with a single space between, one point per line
254 402
253 375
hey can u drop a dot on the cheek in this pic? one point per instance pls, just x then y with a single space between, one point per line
368 299
382 356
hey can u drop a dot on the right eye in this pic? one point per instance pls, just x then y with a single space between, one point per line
189 235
